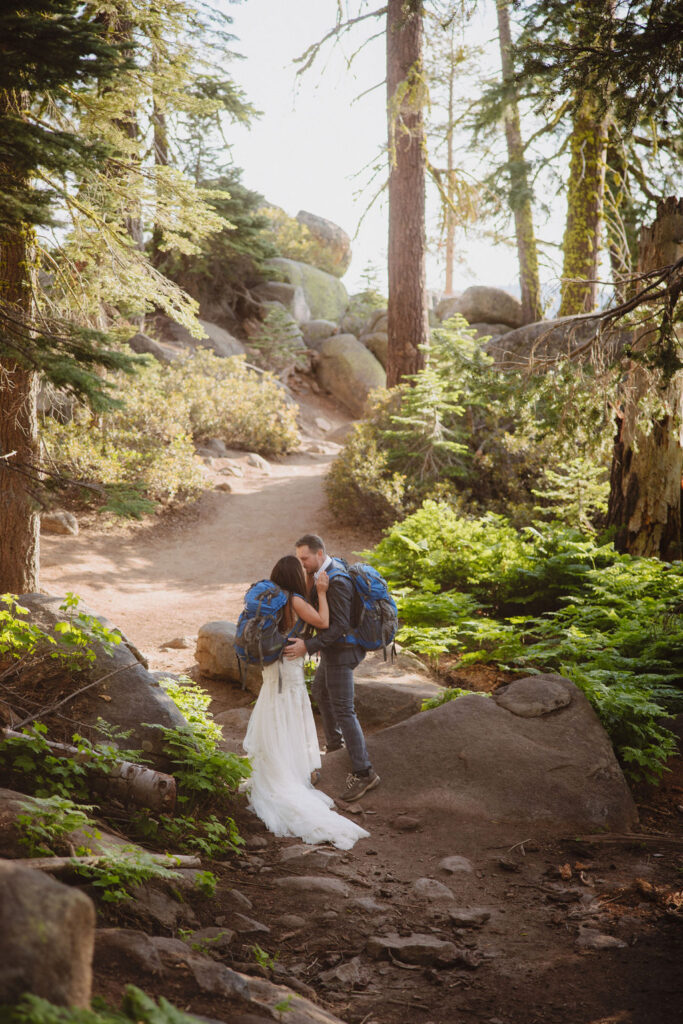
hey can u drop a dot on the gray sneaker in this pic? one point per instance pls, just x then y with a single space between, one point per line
358 785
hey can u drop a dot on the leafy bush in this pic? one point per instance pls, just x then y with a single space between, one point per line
144 452
359 486
136 1008
461 430
276 343
611 623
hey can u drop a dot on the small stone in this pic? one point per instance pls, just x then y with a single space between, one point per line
468 917
406 823
430 889
239 899
313 885
244 925
317 858
223 486
414 949
453 864
256 843
179 643
323 424
232 470
590 938
352 975
254 459
292 921
508 864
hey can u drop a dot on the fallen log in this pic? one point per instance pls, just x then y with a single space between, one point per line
66 865
123 781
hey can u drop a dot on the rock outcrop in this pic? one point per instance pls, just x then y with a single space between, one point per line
216 338
47 933
325 294
535 752
133 697
334 243
348 370
480 304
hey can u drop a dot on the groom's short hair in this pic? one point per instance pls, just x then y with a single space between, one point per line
311 541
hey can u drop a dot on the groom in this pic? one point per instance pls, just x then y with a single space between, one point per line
333 682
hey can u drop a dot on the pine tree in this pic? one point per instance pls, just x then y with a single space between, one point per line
55 49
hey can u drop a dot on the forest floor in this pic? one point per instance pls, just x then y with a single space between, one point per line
533 960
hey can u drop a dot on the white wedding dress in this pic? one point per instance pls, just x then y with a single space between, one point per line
282 745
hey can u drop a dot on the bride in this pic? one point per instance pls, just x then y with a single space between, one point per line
281 739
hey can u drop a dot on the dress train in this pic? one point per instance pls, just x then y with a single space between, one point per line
282 745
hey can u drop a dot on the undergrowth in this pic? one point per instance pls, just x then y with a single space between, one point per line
547 598
529 447
143 454
136 1008
57 820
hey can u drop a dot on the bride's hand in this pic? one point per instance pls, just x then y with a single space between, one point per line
323 581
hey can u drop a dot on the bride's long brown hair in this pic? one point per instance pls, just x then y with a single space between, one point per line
288 573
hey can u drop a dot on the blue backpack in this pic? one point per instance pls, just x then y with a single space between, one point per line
374 616
258 640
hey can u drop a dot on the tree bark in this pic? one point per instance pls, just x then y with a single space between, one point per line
520 193
647 463
19 537
408 324
585 199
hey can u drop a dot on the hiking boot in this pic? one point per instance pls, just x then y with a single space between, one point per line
315 777
330 748
358 785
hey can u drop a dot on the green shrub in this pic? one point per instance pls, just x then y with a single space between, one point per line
136 1008
359 487
611 623
276 344
523 446
145 452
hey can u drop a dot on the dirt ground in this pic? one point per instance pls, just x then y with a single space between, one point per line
159 581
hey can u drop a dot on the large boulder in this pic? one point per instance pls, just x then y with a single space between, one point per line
326 296
387 692
142 344
534 753
132 697
349 371
316 331
378 343
480 304
334 243
217 659
216 338
290 295
552 339
47 933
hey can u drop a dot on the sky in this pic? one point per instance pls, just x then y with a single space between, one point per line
318 138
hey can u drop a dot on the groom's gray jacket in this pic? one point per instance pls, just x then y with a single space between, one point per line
330 642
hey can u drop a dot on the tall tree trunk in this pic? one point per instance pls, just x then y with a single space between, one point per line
408 326
645 485
585 199
160 129
19 538
520 192
450 191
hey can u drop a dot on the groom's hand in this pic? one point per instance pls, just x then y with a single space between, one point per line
295 648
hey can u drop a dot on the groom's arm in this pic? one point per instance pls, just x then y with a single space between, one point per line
339 598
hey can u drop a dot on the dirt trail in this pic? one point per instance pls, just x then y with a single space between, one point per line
164 578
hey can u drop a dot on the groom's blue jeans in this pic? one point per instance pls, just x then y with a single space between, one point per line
332 691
